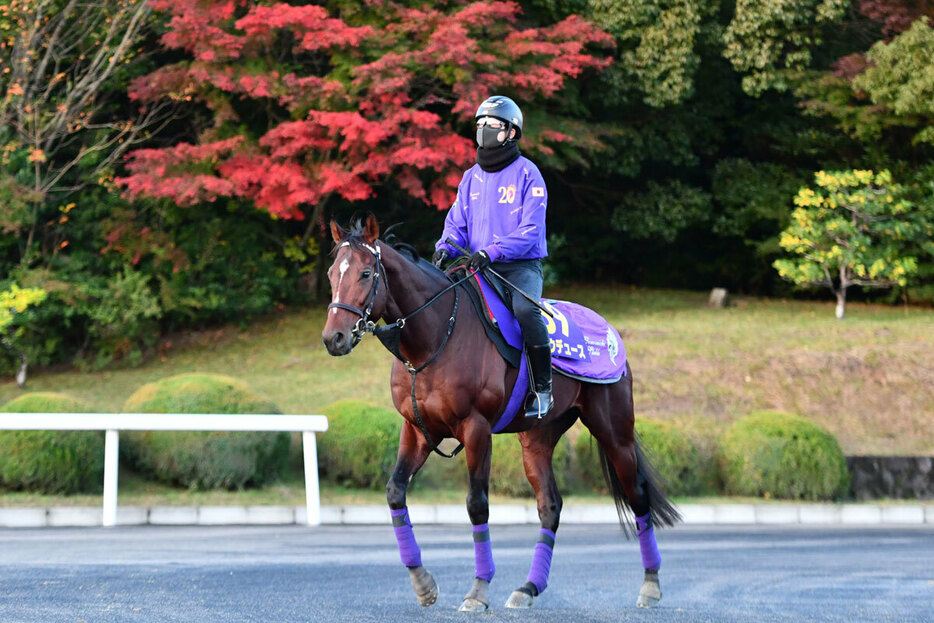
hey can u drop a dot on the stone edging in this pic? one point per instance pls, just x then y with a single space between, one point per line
694 514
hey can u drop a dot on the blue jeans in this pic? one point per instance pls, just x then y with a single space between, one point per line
527 276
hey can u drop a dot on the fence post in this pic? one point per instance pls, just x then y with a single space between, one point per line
111 452
312 492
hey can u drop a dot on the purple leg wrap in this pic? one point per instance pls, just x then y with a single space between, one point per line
541 560
408 549
651 559
483 552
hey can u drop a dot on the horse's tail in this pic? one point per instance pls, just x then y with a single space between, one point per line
663 511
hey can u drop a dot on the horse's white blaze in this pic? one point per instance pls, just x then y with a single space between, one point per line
337 291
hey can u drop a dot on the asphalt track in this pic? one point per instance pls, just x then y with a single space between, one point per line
341 573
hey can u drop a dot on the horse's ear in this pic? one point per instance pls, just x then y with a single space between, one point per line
371 232
336 232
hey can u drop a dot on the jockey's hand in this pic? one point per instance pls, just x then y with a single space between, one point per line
439 258
478 261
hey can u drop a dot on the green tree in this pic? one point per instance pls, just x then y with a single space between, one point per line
853 230
900 78
769 41
658 47
14 301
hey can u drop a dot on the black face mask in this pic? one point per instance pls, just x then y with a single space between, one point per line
494 159
486 137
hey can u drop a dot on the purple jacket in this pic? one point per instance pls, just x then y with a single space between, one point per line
502 213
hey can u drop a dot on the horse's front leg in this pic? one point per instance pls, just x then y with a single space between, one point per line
413 452
478 444
537 449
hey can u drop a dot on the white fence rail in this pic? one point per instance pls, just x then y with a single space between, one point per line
113 423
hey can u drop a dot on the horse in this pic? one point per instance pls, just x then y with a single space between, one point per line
449 381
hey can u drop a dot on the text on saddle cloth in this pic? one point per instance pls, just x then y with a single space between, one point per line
583 344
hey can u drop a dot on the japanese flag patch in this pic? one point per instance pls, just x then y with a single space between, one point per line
538 191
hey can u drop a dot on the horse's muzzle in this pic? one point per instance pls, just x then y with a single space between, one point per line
337 342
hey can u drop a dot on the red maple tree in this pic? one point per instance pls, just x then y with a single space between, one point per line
310 102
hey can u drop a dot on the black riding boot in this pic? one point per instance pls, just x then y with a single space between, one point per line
540 399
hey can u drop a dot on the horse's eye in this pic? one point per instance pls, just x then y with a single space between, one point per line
365 275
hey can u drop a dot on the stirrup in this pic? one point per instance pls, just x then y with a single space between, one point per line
533 407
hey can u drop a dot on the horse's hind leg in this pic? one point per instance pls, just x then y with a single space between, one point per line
413 452
538 445
628 474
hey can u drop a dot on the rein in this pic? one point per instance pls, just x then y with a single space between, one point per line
390 336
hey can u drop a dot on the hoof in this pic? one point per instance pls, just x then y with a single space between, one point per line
473 605
476 600
426 589
651 592
519 599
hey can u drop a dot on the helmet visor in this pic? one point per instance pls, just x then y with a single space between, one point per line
491 122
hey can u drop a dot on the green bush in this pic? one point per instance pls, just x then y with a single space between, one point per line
362 444
681 467
204 459
704 435
507 475
51 461
777 455
360 447
585 467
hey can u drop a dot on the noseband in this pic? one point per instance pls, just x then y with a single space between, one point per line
364 324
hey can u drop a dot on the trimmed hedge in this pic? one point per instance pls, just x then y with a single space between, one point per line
778 455
587 475
507 475
681 466
362 444
51 461
204 460
360 447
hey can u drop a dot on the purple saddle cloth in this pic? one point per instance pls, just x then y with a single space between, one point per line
584 346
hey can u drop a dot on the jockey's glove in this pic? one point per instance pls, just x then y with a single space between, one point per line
479 261
439 258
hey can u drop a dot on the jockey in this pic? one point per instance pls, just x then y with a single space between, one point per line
499 214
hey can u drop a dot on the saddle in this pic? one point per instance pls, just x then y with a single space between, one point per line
584 346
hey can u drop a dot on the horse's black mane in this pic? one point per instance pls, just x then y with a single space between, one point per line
356 239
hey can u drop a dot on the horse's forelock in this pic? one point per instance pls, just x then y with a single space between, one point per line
354 240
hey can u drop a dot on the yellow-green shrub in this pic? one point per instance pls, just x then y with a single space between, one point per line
778 455
360 447
50 461
507 475
680 466
204 459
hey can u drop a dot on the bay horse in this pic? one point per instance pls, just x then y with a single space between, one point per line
449 381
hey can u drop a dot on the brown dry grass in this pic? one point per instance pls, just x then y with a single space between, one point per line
869 378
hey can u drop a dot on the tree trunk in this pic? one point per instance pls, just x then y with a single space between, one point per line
841 303
23 362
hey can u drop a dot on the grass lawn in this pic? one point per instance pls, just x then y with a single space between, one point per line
869 378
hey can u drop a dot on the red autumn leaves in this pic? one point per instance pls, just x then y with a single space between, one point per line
307 102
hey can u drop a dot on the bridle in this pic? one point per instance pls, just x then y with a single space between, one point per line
364 325
390 335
